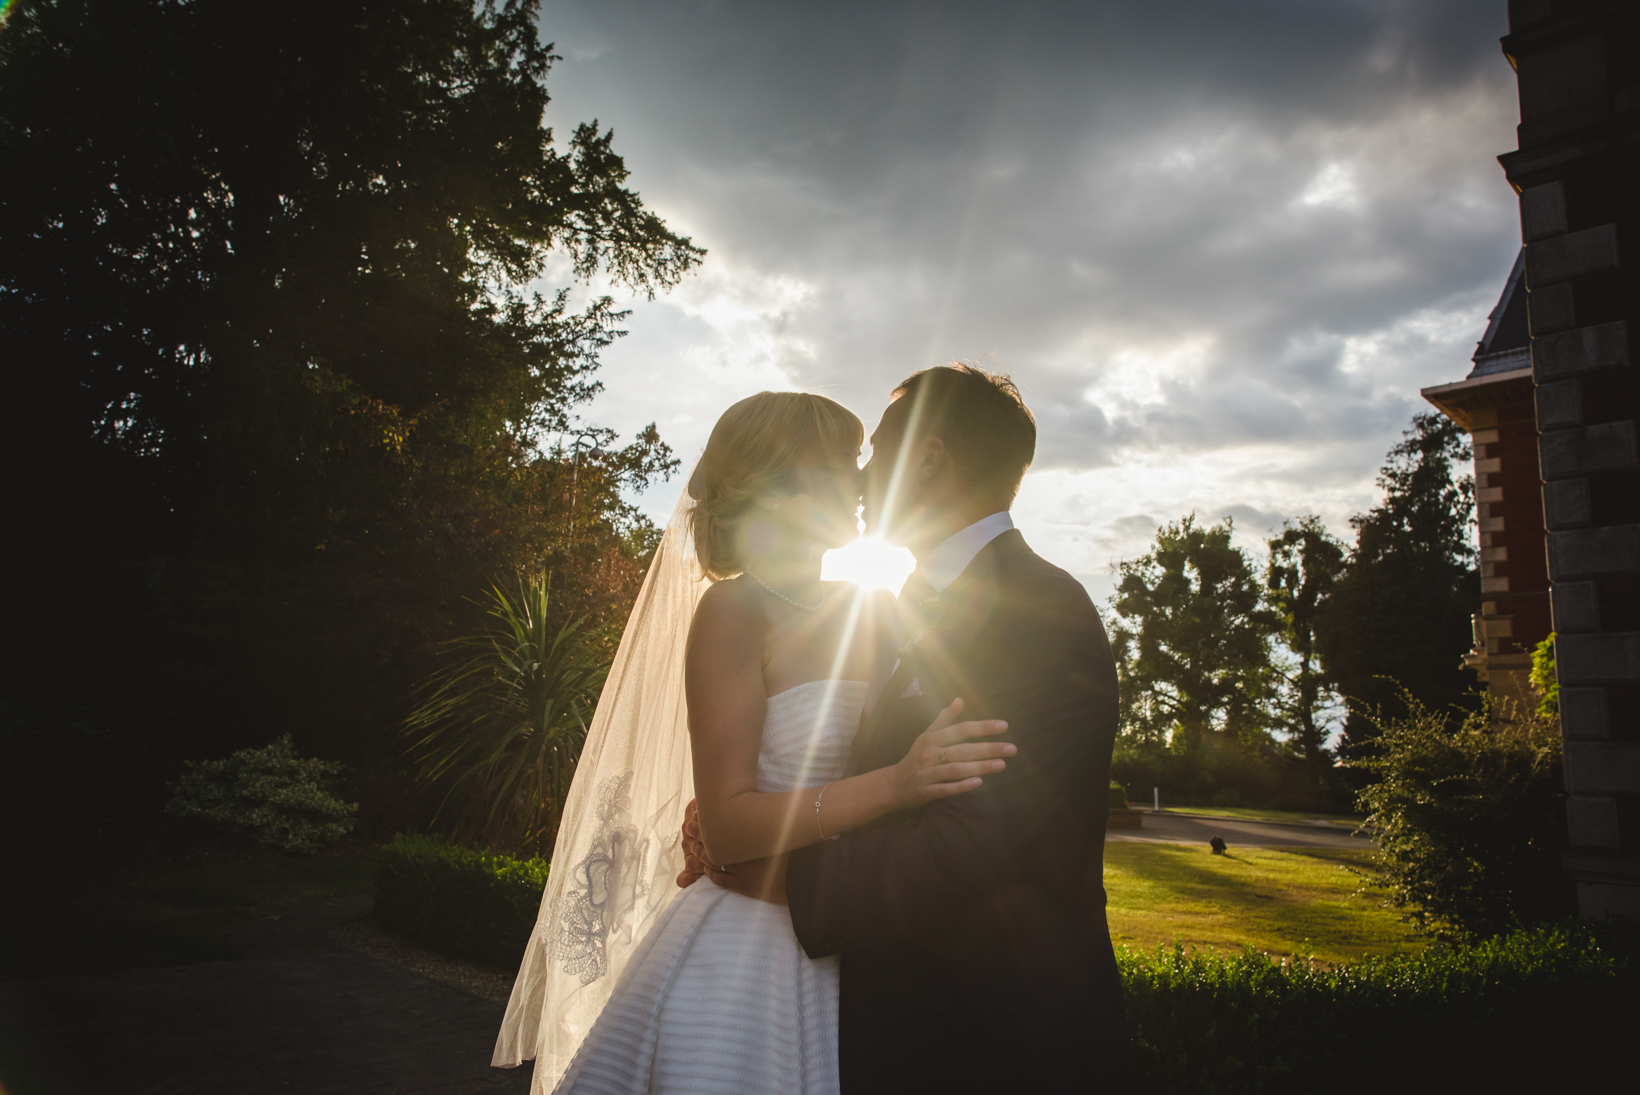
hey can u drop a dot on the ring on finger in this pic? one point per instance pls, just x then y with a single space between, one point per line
942 756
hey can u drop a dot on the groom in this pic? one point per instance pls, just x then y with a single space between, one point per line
975 953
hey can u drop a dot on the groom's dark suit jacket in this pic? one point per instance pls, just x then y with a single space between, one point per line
975 953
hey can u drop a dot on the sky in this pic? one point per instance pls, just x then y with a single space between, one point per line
1219 245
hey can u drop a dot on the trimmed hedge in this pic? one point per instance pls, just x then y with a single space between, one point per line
453 899
1531 1010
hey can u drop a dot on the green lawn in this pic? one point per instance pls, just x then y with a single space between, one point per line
1239 813
1280 901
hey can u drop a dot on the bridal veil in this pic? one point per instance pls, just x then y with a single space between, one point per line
619 846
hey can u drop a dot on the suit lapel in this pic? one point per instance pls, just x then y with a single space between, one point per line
898 682
965 604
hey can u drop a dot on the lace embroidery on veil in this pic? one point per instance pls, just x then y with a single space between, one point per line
612 885
619 841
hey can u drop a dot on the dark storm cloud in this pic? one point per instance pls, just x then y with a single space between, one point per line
1003 179
1183 227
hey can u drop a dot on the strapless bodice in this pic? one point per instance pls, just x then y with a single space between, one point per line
807 734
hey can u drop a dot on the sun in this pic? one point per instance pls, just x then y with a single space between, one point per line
870 562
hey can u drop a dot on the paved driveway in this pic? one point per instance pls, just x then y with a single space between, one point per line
1179 828
296 1015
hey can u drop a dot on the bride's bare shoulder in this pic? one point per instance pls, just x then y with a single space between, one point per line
730 608
727 636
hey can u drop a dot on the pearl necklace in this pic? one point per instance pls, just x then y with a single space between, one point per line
795 604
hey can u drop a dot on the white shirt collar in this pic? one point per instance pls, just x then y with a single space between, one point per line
942 565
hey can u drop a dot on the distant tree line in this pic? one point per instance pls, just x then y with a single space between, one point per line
1244 682
289 386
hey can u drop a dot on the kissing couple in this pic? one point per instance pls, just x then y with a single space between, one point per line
889 813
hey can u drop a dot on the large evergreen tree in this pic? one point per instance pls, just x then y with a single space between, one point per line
1399 614
285 377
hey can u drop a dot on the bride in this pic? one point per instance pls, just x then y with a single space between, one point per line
740 681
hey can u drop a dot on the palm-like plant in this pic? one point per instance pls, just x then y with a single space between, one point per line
505 724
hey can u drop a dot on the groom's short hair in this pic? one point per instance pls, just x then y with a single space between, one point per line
979 415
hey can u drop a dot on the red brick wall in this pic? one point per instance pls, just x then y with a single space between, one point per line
1521 508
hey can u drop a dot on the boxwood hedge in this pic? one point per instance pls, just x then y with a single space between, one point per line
1532 1010
453 899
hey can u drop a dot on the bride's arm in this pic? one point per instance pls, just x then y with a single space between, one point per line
724 681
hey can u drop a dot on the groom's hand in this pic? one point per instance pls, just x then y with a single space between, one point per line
764 879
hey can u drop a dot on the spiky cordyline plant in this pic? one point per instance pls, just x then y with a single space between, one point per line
506 722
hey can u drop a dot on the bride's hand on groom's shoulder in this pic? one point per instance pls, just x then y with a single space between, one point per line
942 762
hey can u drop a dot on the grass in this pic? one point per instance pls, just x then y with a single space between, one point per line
177 911
1283 902
1240 813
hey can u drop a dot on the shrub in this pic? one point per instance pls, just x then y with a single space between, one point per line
1543 678
1118 796
1470 821
453 899
505 724
1269 778
270 794
1493 1016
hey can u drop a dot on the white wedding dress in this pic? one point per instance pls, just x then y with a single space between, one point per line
719 998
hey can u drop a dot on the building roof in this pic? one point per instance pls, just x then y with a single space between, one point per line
1502 370
1506 346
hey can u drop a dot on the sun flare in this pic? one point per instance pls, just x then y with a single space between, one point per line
870 562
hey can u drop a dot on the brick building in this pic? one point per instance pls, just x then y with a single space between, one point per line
1495 404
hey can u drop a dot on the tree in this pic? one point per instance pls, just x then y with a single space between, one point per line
1192 640
1398 617
1470 820
271 289
1304 564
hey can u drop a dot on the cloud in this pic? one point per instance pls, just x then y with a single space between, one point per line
1219 246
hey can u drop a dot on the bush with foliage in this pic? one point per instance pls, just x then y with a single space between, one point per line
270 794
505 723
1544 681
1492 1016
1225 772
466 903
1470 821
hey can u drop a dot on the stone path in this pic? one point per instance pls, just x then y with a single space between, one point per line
1172 828
302 1017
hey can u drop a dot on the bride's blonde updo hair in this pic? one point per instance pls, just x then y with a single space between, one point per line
756 443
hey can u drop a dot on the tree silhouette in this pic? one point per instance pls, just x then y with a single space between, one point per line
1399 615
286 367
1304 564
1192 640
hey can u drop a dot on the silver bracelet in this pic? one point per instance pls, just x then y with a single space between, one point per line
817 827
